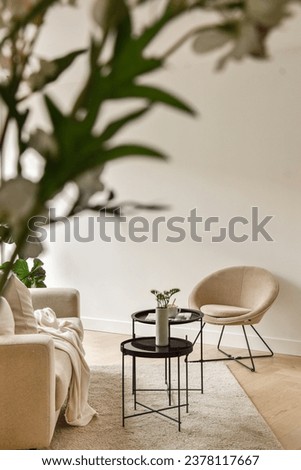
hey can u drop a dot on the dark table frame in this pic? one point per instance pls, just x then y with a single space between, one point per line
145 347
197 315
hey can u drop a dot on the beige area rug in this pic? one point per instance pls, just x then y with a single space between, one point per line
222 418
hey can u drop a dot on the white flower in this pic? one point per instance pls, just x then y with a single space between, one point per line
268 13
210 39
17 200
248 41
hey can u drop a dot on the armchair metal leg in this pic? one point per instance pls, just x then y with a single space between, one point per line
239 359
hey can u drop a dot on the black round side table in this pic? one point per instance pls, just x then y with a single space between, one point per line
147 317
145 347
142 316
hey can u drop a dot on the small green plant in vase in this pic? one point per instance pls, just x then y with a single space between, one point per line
163 298
162 314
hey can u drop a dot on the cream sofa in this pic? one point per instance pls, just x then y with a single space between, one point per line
35 376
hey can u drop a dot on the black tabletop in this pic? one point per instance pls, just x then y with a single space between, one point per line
146 347
142 315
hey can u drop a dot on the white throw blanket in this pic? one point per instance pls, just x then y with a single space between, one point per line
67 338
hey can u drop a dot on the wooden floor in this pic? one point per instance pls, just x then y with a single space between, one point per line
275 387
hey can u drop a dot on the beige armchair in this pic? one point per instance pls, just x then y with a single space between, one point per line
238 295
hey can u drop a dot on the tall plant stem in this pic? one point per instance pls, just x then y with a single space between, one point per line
2 139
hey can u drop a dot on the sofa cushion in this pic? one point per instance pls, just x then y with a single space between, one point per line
19 299
7 323
63 372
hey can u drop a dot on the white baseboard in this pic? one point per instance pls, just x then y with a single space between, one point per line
232 338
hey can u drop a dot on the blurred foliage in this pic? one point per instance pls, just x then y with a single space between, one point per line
71 148
33 277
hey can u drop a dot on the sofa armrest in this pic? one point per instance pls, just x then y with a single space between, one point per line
65 302
27 391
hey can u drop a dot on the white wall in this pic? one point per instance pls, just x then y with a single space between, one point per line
243 150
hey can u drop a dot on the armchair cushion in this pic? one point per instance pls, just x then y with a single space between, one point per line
223 311
7 324
19 299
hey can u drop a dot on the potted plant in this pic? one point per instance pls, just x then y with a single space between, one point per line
162 314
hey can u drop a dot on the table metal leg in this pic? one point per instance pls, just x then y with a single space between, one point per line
169 381
202 361
186 366
134 383
168 373
179 396
134 359
122 389
166 379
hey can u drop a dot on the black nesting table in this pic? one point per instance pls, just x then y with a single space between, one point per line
144 347
142 316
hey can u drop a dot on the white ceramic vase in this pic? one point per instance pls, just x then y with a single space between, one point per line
162 329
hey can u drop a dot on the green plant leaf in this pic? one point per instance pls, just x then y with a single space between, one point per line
30 278
154 95
130 63
124 27
99 88
173 291
8 94
150 32
164 297
4 265
37 263
131 150
57 117
21 269
38 273
38 284
108 14
80 151
115 79
228 5
115 126
51 70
